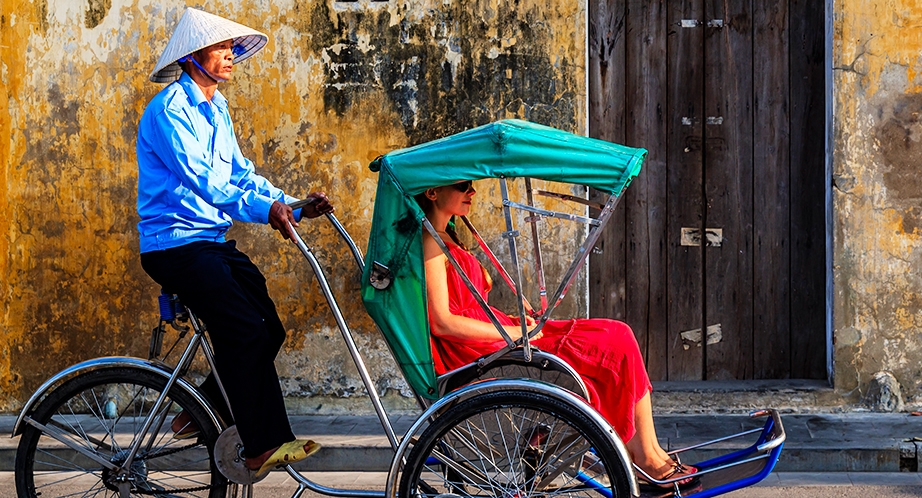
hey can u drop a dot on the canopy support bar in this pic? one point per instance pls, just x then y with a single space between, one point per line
583 254
552 214
571 198
493 259
539 263
513 255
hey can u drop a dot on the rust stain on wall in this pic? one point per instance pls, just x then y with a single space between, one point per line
338 84
96 11
878 237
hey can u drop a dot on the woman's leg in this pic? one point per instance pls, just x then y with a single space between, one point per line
644 448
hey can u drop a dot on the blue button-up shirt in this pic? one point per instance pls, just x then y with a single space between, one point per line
192 177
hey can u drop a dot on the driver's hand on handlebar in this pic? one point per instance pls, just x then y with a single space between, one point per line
321 205
280 215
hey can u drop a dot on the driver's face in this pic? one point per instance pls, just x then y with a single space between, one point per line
217 59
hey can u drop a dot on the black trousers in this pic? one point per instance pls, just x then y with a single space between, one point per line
228 292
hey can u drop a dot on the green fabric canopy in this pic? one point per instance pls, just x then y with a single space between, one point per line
510 149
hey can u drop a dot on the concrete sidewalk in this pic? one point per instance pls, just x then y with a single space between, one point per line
776 485
816 442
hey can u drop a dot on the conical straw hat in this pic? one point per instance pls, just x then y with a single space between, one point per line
197 30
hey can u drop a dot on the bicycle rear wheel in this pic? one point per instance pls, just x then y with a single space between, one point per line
513 444
102 412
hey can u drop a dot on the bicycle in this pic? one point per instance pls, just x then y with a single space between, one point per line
515 423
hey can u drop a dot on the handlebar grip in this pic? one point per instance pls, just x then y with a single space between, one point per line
303 202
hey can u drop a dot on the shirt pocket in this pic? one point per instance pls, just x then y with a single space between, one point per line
222 164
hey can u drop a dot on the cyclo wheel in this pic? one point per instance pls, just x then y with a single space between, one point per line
103 411
513 444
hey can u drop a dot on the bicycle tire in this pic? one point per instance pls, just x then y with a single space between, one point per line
492 445
102 410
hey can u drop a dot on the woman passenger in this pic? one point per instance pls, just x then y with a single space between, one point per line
604 352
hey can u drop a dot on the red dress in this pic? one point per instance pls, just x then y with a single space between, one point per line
604 352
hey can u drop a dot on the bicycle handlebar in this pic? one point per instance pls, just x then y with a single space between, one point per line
303 202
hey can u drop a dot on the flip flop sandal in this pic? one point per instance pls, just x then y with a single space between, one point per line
646 485
184 429
288 453
187 433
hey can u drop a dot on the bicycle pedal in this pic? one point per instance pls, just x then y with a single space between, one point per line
229 458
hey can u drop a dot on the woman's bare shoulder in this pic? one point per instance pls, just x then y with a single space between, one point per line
431 248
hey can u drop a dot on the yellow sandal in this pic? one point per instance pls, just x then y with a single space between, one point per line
288 453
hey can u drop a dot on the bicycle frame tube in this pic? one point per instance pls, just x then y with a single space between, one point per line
183 362
341 323
356 253
305 484
209 357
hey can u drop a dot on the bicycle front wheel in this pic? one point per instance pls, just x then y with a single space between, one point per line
97 417
513 444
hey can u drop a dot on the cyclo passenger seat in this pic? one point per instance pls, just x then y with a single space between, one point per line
543 366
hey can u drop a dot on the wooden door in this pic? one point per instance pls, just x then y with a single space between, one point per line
716 255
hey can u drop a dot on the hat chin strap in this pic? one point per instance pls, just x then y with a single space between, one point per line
202 69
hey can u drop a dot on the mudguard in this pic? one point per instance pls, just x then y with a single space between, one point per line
113 362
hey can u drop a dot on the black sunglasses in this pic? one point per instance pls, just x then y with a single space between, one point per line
465 187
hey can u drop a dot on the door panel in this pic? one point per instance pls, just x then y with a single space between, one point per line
684 168
728 189
645 87
772 187
808 213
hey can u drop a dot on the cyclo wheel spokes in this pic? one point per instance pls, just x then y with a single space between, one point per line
102 412
513 444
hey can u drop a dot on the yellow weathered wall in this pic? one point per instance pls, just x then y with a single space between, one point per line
877 189
338 84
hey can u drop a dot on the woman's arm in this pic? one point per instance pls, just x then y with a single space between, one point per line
441 319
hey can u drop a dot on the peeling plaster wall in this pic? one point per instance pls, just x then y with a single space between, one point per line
877 191
338 84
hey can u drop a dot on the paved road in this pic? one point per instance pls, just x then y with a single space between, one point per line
778 485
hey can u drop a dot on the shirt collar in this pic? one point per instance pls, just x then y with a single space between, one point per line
195 93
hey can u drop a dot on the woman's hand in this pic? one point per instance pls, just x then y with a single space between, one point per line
529 321
529 324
